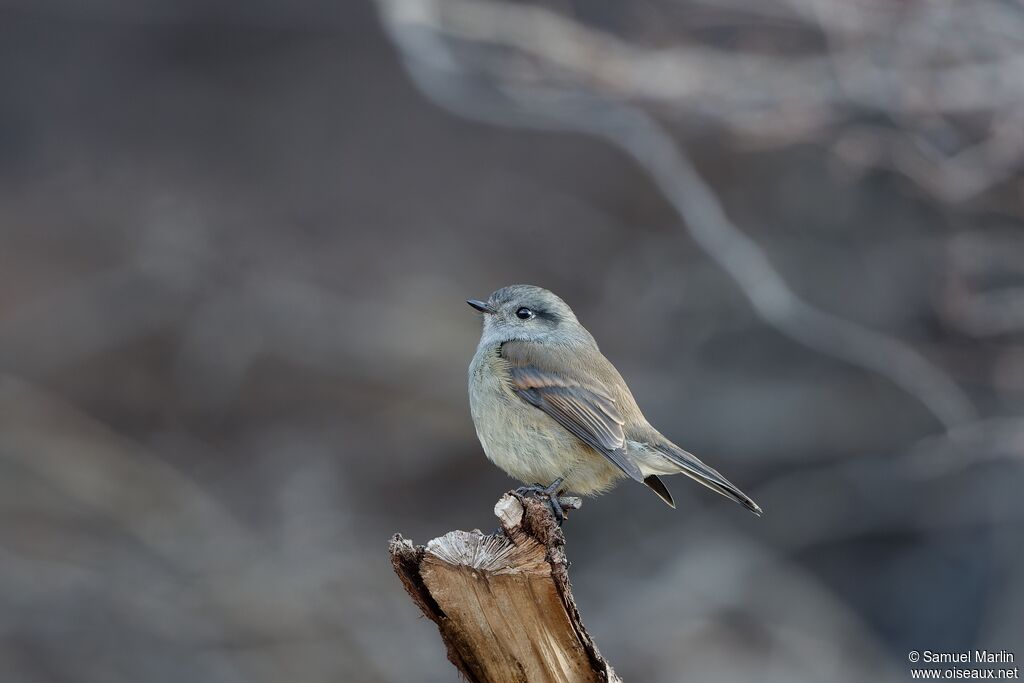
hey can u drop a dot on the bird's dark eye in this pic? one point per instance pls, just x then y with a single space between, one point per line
524 313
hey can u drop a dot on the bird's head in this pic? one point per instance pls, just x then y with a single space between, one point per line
529 313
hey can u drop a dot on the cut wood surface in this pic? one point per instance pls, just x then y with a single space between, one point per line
502 601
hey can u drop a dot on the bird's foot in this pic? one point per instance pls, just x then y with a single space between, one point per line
539 489
550 492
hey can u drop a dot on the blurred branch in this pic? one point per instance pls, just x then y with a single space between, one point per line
724 81
980 298
945 67
502 602
956 177
112 476
990 313
497 88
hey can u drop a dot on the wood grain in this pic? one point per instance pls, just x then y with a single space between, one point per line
502 602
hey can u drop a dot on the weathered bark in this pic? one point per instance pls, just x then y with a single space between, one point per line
502 601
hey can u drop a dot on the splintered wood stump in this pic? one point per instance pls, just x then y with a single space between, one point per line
502 601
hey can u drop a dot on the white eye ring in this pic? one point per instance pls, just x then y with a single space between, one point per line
524 313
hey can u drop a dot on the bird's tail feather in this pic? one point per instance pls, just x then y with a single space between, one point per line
655 484
691 466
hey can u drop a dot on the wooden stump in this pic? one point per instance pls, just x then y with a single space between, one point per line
502 601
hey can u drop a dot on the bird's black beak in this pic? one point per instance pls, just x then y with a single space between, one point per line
481 306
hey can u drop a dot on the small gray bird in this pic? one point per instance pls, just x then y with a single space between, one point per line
549 408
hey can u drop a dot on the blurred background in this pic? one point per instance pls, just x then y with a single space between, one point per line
235 244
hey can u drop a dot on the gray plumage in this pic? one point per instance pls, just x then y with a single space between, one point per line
547 404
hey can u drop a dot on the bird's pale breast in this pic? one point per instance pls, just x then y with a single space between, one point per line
522 440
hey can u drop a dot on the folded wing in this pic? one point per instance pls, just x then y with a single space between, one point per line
582 406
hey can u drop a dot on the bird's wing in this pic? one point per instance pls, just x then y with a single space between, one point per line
583 406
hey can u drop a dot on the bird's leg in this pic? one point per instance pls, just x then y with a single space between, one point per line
551 493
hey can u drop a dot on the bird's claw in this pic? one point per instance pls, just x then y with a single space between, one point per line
549 492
